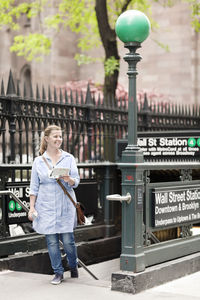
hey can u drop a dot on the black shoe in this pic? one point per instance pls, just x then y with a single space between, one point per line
58 278
74 273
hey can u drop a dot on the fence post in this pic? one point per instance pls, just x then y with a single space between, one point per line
109 188
4 175
146 115
90 118
11 92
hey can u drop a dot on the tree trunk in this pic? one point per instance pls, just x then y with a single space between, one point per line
109 40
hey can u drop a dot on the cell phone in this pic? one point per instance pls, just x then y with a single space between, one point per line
34 215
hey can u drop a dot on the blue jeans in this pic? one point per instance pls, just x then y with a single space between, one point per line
55 253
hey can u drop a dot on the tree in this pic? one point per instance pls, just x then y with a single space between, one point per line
92 20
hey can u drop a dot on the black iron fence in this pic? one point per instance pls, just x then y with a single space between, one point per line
90 131
97 181
90 128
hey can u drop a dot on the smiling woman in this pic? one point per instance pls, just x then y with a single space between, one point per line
52 134
56 215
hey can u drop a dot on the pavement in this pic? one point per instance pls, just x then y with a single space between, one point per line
22 286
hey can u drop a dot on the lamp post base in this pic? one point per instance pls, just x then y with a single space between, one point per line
132 263
132 154
132 257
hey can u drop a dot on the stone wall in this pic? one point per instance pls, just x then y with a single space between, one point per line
175 74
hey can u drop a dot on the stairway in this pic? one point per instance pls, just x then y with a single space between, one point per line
28 253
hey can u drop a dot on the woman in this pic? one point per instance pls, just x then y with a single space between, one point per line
56 214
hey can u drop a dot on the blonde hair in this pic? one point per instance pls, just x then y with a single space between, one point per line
47 132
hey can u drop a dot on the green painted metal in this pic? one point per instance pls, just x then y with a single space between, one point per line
132 26
132 257
132 58
170 250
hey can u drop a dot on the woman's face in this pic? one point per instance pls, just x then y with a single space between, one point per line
54 140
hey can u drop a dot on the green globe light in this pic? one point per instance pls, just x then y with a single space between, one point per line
132 26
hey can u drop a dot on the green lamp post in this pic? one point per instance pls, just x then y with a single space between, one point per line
132 28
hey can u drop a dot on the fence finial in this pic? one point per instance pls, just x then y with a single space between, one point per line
49 94
18 89
77 100
61 96
43 93
145 106
88 100
25 90
66 97
2 88
11 85
82 98
37 92
71 97
55 95
31 91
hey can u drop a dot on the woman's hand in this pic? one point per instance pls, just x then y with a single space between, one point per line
32 212
68 179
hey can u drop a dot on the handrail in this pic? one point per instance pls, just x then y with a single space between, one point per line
7 192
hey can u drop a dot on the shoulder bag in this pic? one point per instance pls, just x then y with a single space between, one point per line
79 206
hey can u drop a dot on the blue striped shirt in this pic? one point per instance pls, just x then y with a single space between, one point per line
56 212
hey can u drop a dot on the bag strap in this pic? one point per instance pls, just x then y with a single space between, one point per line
61 185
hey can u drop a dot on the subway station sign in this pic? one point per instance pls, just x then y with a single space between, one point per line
15 213
162 146
175 205
171 147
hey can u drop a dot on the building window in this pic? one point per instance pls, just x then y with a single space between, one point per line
25 79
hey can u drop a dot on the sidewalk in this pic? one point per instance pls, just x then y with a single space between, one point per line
31 286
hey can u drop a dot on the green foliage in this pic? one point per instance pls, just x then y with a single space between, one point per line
166 3
10 11
194 6
111 64
195 13
163 46
115 8
80 17
6 14
85 59
32 46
